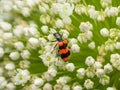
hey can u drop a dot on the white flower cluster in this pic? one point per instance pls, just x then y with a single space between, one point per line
85 28
94 68
63 10
115 60
21 77
74 47
106 3
112 43
111 88
108 11
50 74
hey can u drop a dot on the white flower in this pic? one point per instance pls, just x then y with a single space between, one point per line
47 1
90 7
19 45
43 41
5 26
81 38
10 86
117 45
80 73
115 60
43 8
64 33
63 80
108 68
70 67
21 77
66 10
73 41
97 65
89 61
33 31
38 82
105 3
37 1
11 73
80 9
45 19
10 66
111 11
1 51
18 31
100 73
90 72
100 59
24 64
104 32
3 82
32 24
85 26
73 1
101 16
91 45
47 58
114 33
119 8
118 21
14 55
93 13
77 87
34 42
55 8
111 88
104 80
26 32
88 35
45 29
57 87
7 5
49 47
88 84
61 1
25 11
60 63
66 87
59 23
25 54
67 20
50 74
47 86
75 48
30 3
101 50
51 37
7 36
32 87
114 57
18 4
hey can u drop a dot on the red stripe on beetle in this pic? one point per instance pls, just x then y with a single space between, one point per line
66 58
64 51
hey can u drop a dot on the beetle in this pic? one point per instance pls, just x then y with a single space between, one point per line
63 48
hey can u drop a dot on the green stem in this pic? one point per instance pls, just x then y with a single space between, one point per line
84 2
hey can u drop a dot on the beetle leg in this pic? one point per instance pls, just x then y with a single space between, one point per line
54 41
57 53
53 48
